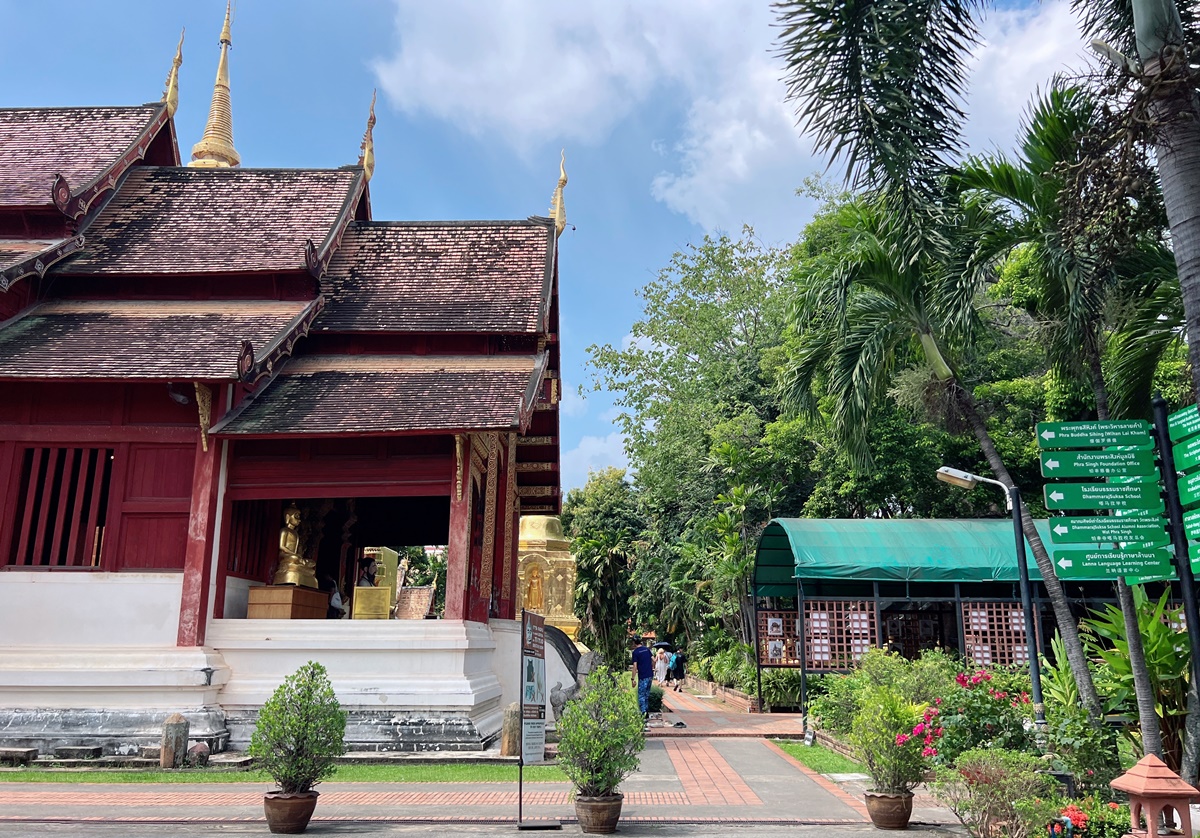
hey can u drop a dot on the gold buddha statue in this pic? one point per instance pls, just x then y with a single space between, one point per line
293 568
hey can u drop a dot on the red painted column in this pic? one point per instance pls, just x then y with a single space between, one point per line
458 545
197 561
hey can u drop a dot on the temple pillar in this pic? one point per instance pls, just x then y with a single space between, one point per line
458 545
197 562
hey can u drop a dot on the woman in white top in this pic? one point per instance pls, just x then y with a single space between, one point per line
660 666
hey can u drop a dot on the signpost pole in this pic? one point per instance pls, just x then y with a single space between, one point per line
1035 670
1183 562
521 747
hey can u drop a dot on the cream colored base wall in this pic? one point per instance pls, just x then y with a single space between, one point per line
507 664
65 609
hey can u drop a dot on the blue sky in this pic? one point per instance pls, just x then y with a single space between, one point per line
671 115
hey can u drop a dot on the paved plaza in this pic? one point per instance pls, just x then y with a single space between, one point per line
719 773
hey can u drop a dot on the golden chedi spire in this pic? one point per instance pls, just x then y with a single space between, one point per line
215 149
558 210
171 92
366 154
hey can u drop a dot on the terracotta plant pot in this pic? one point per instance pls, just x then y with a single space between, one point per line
889 811
599 815
288 814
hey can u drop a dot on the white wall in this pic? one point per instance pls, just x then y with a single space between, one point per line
85 608
237 597
507 664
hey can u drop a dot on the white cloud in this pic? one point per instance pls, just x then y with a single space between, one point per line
571 403
1022 51
592 454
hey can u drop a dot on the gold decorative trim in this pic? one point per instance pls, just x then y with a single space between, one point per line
458 466
489 516
535 440
204 409
535 466
536 491
510 516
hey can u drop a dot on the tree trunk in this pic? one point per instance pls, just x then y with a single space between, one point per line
1191 737
1067 627
1143 689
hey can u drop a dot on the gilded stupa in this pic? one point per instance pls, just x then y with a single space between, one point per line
546 572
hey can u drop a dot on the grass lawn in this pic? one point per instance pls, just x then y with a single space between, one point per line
822 760
345 774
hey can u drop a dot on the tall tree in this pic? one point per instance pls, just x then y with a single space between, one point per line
880 312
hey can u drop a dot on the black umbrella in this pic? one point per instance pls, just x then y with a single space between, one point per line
662 644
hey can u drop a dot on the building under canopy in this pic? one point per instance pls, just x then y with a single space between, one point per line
826 590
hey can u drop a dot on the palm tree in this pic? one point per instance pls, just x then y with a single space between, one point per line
880 84
1071 289
602 592
879 312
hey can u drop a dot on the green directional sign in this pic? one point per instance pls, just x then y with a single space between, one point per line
1168 576
1183 424
1189 489
1103 496
1187 454
1109 564
1097 463
1108 530
1132 432
1191 523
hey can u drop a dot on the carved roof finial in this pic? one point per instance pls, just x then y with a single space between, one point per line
558 210
215 149
171 92
366 155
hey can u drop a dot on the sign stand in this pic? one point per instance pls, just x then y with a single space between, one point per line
532 679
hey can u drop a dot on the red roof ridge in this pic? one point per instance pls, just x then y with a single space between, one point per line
142 308
37 260
310 364
317 258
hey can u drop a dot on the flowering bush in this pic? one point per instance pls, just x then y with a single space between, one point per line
894 739
986 709
987 790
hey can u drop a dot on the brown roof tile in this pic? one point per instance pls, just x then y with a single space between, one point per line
156 340
166 220
477 276
79 143
392 394
20 258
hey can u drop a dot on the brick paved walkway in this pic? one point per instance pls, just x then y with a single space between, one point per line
721 768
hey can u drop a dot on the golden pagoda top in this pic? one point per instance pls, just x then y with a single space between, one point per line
366 156
547 528
171 91
215 149
558 210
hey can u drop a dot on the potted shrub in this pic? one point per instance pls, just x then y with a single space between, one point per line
895 740
298 736
601 734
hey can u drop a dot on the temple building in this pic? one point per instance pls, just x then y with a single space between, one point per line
224 390
546 573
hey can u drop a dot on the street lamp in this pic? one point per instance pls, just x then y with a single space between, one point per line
966 480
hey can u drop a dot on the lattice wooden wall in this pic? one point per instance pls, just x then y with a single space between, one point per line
995 633
913 631
777 639
837 633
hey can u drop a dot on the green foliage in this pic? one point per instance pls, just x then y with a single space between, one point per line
300 730
1166 648
781 687
987 709
601 734
923 681
882 737
1085 749
428 569
985 790
654 705
603 520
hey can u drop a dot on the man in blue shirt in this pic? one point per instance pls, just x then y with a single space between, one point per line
643 673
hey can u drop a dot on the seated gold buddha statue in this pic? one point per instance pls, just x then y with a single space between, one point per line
293 568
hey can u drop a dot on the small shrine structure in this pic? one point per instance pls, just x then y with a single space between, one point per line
218 381
546 573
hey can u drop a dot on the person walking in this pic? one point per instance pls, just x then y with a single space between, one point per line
676 663
643 674
661 668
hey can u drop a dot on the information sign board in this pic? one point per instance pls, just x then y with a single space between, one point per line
1103 496
1132 432
1191 523
1108 530
1189 489
1169 576
1187 454
1109 564
533 687
1183 424
1097 463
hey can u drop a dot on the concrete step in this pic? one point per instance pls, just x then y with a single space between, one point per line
77 752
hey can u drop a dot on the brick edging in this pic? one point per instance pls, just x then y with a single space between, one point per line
729 695
821 780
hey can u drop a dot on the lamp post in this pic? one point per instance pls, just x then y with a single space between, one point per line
966 480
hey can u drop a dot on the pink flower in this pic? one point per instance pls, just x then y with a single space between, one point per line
938 702
919 729
937 732
929 739
929 752
901 738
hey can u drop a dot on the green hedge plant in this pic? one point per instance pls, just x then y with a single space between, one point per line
885 738
300 730
601 734
997 792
